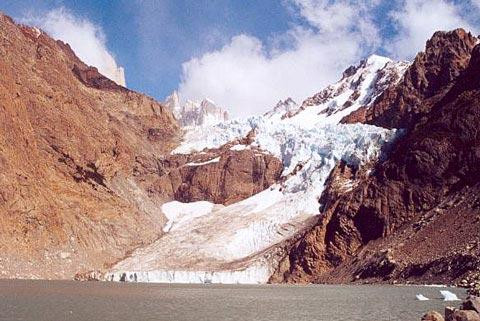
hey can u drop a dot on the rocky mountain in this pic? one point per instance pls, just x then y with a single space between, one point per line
415 216
281 108
86 164
70 140
192 113
373 179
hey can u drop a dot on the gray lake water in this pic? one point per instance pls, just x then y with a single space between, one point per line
68 300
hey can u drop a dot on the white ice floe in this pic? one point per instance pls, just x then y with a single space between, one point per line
449 296
421 297
233 244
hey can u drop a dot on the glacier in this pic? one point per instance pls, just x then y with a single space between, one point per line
241 242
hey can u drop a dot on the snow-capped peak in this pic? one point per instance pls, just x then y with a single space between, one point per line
359 86
281 108
172 102
195 113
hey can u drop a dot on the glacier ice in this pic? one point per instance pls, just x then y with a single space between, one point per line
204 242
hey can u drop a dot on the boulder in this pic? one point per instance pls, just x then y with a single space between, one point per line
433 316
449 311
472 303
465 315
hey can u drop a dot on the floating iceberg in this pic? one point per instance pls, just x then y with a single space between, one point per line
449 296
421 297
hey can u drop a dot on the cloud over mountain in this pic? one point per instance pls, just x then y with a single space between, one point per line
249 76
86 39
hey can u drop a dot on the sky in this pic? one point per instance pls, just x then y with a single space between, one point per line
244 55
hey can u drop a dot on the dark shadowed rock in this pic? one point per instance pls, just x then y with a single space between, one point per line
472 303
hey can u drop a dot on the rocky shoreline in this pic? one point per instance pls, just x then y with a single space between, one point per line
468 311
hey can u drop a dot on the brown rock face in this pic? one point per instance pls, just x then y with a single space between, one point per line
219 176
69 138
423 194
472 303
464 315
427 80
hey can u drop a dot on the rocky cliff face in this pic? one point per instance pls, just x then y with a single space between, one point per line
69 140
220 175
412 216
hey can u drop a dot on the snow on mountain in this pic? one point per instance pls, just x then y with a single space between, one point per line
283 107
237 243
359 86
193 113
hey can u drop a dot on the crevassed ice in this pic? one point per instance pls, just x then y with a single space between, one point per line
254 274
224 240
230 244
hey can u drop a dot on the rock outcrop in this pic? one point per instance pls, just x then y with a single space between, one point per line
221 176
433 316
469 311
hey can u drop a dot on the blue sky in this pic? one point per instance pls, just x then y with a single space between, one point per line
246 55
173 31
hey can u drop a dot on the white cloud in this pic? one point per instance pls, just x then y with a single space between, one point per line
247 76
476 2
85 38
417 20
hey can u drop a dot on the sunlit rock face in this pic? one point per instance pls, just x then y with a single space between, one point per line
70 140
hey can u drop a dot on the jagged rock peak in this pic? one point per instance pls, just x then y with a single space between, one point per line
195 113
282 108
431 75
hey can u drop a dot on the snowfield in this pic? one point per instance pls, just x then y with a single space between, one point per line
207 243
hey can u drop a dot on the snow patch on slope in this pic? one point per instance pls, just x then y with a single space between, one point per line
179 214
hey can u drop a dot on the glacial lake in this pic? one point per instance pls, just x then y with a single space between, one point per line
69 300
